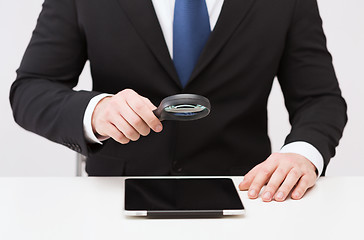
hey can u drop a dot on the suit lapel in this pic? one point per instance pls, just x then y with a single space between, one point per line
142 15
232 13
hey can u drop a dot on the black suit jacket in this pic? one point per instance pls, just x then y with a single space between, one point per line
253 41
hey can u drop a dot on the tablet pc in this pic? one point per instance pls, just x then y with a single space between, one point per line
188 197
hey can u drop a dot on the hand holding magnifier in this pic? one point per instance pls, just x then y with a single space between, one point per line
183 107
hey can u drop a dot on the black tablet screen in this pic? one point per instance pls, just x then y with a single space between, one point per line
181 194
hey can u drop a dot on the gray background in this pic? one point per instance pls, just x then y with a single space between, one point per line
25 154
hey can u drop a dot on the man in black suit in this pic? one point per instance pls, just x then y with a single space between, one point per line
129 46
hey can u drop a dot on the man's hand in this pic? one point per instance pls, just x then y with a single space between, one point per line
124 117
283 172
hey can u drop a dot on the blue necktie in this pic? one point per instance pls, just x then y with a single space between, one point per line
191 29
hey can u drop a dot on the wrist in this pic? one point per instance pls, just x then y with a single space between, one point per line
87 119
308 151
94 117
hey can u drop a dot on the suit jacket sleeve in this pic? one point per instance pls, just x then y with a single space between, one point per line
316 108
42 97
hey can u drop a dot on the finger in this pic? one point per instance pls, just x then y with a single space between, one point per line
260 179
248 179
304 183
138 105
274 183
292 178
149 104
113 132
123 126
134 120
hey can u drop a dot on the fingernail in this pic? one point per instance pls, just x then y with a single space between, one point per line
296 195
252 193
279 196
158 128
267 196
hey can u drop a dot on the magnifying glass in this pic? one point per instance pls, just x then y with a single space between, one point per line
183 107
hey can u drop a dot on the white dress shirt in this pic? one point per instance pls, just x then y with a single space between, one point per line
165 11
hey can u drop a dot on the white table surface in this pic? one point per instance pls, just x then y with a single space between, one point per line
91 208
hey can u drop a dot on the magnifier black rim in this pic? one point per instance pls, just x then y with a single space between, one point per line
178 99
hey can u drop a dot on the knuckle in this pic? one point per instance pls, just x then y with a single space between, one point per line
120 138
254 185
312 176
113 104
138 107
137 122
128 93
123 94
248 179
309 170
129 133
153 122
272 186
274 156
281 171
249 176
108 113
304 182
265 171
255 169
296 173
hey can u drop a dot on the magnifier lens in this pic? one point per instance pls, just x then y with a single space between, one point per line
185 109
